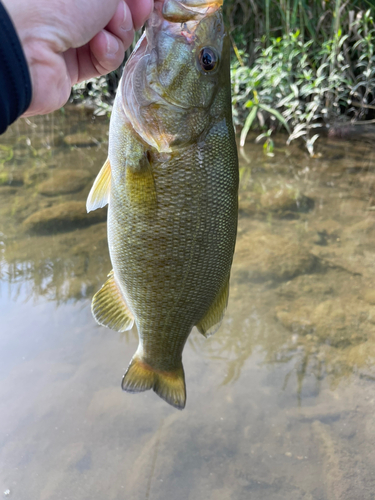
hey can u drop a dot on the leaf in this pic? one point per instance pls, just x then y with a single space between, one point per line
249 121
278 115
310 144
295 136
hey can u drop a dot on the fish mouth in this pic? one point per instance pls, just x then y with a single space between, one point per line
187 10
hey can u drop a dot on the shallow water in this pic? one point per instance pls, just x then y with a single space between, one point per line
281 400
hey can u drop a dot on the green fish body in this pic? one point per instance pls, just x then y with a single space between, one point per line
171 182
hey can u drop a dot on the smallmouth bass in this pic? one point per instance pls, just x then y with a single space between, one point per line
171 182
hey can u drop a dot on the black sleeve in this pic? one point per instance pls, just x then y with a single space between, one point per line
15 83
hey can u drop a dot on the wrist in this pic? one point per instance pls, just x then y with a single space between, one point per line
42 50
14 74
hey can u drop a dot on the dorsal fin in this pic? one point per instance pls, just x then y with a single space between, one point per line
99 194
109 307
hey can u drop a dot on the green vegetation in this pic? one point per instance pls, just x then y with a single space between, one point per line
316 67
298 65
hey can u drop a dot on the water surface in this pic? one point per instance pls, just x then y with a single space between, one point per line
281 400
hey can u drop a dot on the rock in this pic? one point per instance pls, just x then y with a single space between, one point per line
369 296
34 176
80 140
63 217
365 227
7 190
285 200
248 203
65 182
269 257
352 131
11 179
336 322
327 232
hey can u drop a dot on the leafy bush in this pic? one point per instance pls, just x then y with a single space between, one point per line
299 87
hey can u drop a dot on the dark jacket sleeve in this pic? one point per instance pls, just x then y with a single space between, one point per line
15 83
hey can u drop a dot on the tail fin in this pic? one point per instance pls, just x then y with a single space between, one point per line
170 386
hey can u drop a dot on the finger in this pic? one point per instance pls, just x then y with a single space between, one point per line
80 21
104 53
79 64
141 10
121 24
107 52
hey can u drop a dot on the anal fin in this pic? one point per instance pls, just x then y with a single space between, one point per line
99 193
211 322
109 307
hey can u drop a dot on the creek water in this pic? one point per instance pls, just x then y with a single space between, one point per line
281 400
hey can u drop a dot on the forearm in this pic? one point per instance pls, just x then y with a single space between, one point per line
15 82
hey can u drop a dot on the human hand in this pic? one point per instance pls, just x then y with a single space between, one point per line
67 41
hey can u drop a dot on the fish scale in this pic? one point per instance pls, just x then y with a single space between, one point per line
171 181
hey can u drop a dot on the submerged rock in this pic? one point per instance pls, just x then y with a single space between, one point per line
263 257
65 182
33 176
282 201
369 296
248 203
335 321
80 140
63 217
8 190
11 179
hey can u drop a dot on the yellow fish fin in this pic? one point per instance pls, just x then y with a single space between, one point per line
99 194
109 307
170 386
140 186
211 322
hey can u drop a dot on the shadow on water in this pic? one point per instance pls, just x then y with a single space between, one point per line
294 356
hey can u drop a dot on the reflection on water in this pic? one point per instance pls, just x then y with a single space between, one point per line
280 400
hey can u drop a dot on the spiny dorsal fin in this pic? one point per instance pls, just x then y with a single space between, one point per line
170 386
109 307
99 194
214 316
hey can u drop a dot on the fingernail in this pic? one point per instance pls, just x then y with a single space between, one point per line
112 44
127 23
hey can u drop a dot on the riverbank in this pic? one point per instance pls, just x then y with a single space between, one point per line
301 67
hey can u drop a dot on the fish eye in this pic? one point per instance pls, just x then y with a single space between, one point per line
208 59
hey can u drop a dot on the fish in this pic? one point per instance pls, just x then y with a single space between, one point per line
171 185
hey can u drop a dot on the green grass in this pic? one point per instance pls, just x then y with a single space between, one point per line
300 82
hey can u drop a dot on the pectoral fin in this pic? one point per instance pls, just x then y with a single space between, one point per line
212 320
99 194
140 186
109 307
